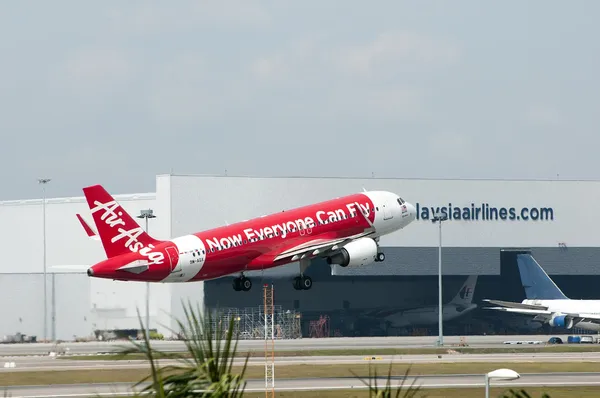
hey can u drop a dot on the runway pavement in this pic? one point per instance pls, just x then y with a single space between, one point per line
32 364
429 381
344 343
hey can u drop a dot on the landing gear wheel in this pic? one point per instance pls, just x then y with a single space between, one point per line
246 284
306 283
242 283
380 257
302 283
237 286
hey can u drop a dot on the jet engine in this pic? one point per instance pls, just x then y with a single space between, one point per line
562 321
357 253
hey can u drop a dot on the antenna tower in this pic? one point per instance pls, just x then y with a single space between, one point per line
269 341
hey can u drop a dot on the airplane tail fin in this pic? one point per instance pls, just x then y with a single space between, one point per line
466 292
118 231
535 280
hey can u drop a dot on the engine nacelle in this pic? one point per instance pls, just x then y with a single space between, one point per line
561 321
357 253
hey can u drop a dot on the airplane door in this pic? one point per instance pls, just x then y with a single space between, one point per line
174 258
387 213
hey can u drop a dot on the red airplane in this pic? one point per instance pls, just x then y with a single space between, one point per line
344 231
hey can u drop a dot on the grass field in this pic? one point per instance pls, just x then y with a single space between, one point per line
382 351
73 376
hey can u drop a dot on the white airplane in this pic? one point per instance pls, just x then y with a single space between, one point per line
460 305
547 303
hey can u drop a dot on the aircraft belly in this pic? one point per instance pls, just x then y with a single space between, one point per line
192 256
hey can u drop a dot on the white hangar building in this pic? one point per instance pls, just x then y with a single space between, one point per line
553 219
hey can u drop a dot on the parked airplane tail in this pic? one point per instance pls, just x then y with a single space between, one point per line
118 231
466 292
535 280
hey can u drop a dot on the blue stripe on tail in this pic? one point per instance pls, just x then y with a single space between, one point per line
535 280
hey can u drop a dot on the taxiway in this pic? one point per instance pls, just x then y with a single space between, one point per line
343 343
313 384
35 364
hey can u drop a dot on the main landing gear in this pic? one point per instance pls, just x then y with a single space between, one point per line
303 282
380 257
242 283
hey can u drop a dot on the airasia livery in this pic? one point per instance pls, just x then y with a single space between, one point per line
344 231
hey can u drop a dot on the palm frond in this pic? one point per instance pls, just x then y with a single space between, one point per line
206 370
386 392
520 394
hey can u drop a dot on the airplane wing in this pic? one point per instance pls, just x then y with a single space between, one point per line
542 313
317 247
510 304
521 310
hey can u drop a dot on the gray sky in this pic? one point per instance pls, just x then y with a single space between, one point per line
116 92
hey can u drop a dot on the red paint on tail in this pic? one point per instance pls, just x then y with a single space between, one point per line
118 231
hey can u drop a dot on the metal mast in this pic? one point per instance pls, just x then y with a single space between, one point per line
269 341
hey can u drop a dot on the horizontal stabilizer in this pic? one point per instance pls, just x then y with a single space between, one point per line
135 267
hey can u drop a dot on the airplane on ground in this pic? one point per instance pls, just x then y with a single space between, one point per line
345 231
547 302
460 305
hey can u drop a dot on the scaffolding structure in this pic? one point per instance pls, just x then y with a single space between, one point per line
249 323
319 328
269 341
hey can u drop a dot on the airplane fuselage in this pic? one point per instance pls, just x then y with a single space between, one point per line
561 306
256 244
428 315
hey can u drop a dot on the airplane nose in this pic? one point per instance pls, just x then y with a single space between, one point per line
90 272
412 211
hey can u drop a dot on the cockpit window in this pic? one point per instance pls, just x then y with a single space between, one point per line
400 201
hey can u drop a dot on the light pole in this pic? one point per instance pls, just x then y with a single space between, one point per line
147 214
44 181
499 374
439 217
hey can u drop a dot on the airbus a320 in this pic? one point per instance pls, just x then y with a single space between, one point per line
344 231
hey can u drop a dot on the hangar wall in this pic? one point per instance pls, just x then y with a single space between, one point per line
473 241
82 304
560 236
563 244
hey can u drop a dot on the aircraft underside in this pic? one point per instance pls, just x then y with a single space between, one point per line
304 282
